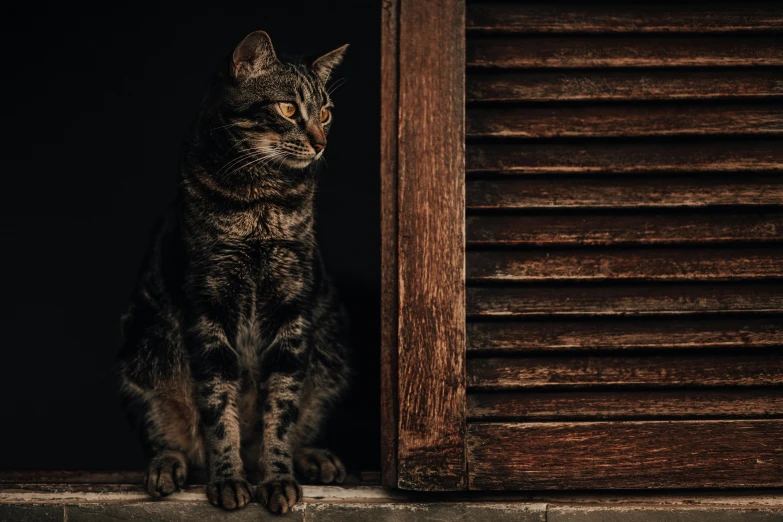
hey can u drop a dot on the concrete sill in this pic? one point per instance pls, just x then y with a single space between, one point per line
86 501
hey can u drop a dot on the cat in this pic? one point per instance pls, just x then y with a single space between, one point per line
234 341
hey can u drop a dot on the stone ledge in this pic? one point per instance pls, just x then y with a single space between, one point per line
94 502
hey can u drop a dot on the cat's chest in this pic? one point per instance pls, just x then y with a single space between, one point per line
274 274
267 222
266 271
249 338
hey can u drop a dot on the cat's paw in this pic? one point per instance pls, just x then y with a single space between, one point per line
229 493
166 474
319 465
279 496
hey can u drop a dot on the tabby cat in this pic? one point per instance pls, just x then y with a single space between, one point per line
234 341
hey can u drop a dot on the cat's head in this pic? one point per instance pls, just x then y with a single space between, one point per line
279 111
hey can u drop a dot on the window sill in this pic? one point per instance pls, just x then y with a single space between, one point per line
75 496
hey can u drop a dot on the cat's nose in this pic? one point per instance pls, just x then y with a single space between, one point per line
316 136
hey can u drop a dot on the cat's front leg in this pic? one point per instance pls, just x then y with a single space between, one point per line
283 367
215 368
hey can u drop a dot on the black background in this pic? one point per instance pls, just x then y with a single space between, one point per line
96 106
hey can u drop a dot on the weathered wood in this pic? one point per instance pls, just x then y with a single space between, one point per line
671 264
431 446
624 85
535 18
649 299
624 192
624 334
652 51
627 405
86 503
318 499
622 121
699 317
623 158
389 267
72 477
626 455
619 229
506 373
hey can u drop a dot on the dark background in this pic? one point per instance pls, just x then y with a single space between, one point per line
96 104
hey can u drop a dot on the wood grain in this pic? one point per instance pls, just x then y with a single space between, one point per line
539 17
389 242
62 477
624 334
625 215
605 52
626 455
627 405
638 299
621 121
625 158
595 264
431 216
620 229
624 85
624 192
671 370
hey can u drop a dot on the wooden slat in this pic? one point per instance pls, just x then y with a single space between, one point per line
495 17
623 85
626 455
703 264
624 334
512 373
622 121
653 51
431 256
625 192
617 404
649 299
622 158
617 229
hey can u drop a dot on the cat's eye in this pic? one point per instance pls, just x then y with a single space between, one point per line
287 109
325 115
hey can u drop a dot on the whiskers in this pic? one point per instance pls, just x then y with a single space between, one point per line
258 156
226 126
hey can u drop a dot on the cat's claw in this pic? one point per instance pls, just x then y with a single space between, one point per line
319 465
229 493
279 496
165 475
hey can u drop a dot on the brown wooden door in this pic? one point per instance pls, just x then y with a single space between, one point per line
623 268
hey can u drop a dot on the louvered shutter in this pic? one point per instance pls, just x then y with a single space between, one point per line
624 219
619 320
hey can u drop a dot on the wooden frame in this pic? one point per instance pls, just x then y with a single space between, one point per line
423 238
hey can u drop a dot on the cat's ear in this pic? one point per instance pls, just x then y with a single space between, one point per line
323 66
253 54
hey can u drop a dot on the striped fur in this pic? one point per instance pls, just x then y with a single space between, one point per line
234 340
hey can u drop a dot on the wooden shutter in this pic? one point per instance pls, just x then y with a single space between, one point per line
624 219
594 298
